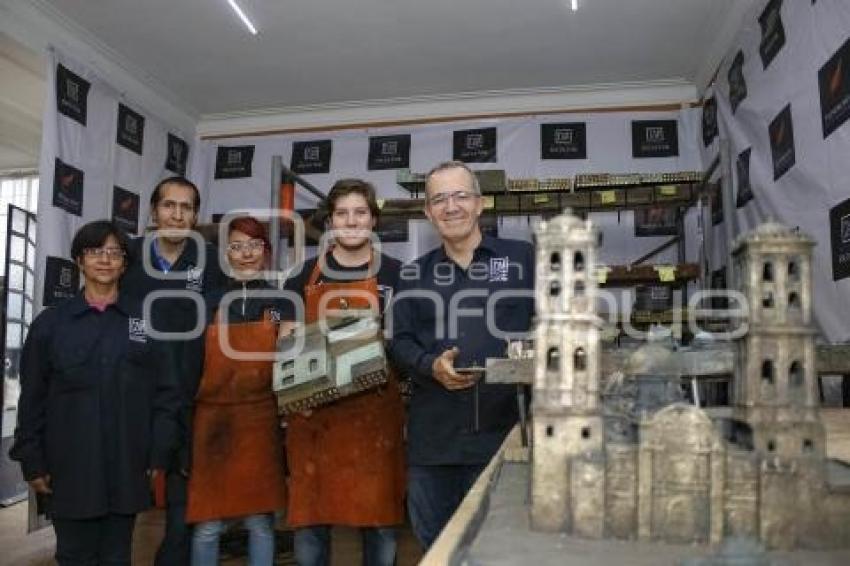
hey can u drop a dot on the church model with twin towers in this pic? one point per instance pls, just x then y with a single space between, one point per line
684 477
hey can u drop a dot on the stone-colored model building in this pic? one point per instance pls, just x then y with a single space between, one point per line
684 478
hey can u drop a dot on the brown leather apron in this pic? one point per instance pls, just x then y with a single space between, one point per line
237 459
346 459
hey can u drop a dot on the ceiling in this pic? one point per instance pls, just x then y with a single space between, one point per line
328 51
325 52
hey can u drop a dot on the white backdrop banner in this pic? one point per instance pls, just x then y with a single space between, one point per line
101 156
783 98
511 144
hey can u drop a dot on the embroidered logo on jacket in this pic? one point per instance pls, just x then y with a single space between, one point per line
194 279
499 268
136 331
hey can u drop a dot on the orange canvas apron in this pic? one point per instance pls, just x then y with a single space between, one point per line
346 459
237 460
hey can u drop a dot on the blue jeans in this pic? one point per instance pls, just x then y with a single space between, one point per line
260 540
313 546
434 494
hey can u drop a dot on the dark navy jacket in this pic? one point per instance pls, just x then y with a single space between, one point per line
438 305
178 315
98 408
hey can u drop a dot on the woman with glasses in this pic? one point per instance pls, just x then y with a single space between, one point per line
97 420
237 468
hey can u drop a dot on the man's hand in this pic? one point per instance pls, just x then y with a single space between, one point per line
443 371
41 485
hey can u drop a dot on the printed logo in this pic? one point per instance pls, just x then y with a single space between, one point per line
709 121
655 135
839 229
474 141
563 136
68 188
234 162
781 132
66 277
61 280
563 141
745 191
72 94
137 331
311 153
131 128
834 86
177 155
389 152
125 210
772 32
845 229
737 83
475 146
655 138
499 268
311 157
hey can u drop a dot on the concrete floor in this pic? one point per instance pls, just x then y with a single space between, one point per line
19 549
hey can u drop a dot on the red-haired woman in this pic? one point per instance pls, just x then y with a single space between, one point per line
237 461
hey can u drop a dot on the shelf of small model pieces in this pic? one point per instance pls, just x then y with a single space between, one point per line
521 203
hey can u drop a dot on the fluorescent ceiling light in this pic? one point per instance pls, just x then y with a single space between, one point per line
574 5
242 16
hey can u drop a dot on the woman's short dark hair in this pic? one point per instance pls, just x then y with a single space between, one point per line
179 181
94 235
345 187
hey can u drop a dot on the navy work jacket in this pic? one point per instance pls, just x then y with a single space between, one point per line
438 305
98 408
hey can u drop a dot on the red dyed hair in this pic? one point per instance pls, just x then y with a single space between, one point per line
252 227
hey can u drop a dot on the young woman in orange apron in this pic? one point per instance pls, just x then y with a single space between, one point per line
346 459
237 460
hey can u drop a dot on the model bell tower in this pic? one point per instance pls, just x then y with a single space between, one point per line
775 383
568 444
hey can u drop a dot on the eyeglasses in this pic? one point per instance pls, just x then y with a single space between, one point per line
110 253
460 197
249 245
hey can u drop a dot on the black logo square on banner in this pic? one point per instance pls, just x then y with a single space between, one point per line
772 32
839 235
389 152
781 131
709 121
311 157
745 190
655 138
392 229
834 86
475 146
131 129
656 221
233 162
125 210
68 188
177 156
72 93
61 280
563 141
737 82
